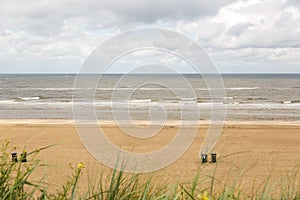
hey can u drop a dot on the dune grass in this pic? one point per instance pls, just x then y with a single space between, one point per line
15 183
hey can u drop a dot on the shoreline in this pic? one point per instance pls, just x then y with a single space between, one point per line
140 122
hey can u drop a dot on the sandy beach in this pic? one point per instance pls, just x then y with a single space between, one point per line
252 151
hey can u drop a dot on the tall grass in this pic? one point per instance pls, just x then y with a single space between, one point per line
14 178
16 183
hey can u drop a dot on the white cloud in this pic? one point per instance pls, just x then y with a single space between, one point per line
264 24
253 33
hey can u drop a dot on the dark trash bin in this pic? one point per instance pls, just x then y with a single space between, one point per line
204 158
213 157
14 156
24 156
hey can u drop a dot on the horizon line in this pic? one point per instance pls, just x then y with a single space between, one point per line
224 73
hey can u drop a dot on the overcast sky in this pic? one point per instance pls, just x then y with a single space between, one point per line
255 36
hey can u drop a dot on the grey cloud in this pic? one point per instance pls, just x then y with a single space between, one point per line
238 29
2 32
284 19
149 11
293 2
48 17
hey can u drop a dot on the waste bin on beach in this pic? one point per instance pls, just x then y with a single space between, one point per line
24 156
14 156
213 157
204 158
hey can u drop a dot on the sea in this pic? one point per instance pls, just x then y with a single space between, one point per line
247 97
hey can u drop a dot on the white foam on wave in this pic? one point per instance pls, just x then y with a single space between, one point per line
29 98
146 103
243 88
140 101
7 101
274 106
229 97
188 99
286 102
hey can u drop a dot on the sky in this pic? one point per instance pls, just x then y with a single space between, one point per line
246 36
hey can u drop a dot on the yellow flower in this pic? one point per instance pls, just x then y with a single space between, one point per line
237 193
203 196
24 151
80 165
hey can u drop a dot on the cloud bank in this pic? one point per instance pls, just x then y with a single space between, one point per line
240 36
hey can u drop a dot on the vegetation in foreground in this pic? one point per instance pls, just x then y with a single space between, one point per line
15 183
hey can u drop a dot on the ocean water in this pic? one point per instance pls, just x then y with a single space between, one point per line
247 97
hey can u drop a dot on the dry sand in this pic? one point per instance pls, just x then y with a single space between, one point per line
252 150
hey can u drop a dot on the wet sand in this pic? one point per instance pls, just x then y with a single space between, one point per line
250 150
